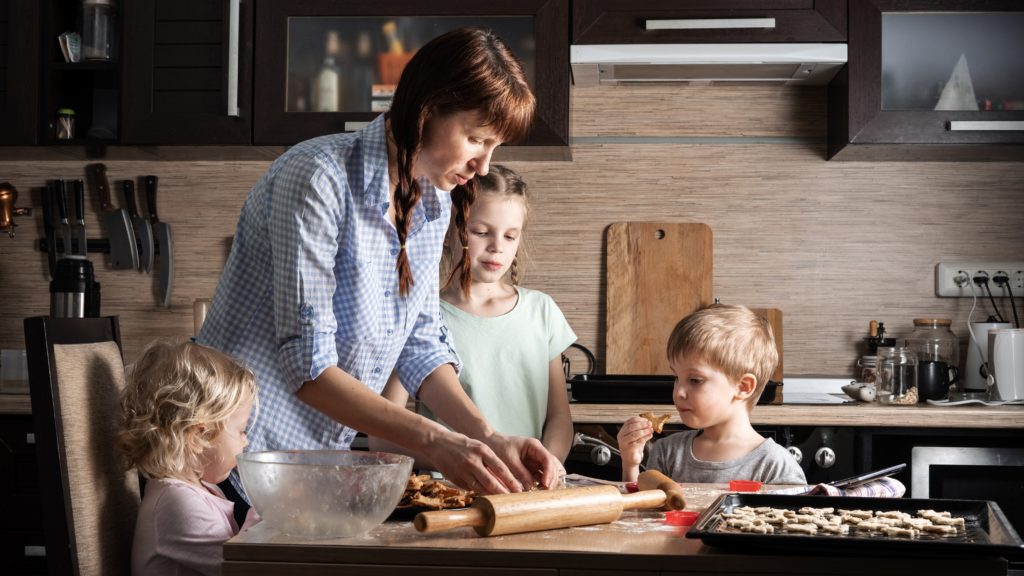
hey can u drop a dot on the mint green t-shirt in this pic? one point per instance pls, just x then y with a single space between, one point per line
505 360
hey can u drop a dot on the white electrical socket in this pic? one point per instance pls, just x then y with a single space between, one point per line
946 274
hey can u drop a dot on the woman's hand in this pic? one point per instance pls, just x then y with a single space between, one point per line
471 464
632 437
531 463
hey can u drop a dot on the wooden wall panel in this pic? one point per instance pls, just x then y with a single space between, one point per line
831 244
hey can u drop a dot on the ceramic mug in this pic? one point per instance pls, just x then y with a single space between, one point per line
934 378
1006 362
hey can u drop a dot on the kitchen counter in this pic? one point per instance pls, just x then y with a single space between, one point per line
855 414
638 543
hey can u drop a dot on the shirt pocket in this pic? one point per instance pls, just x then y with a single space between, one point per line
359 300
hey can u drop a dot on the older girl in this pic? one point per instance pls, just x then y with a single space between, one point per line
332 281
185 412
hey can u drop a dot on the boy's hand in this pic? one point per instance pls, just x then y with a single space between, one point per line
632 437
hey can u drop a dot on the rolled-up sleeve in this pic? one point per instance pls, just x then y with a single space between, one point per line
304 208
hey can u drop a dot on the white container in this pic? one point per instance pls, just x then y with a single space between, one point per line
977 355
1006 362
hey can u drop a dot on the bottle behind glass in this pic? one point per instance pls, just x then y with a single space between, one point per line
98 25
327 92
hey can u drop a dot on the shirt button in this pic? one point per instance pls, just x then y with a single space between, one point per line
390 331
387 293
394 251
376 370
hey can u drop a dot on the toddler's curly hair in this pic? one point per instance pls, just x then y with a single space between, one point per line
178 398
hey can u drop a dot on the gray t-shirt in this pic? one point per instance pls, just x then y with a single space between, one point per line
768 463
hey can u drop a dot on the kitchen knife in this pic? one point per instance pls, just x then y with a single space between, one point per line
124 254
162 233
79 190
142 226
48 229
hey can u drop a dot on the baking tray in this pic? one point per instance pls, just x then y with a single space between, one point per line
636 389
988 532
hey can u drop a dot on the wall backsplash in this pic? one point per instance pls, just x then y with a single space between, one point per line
832 244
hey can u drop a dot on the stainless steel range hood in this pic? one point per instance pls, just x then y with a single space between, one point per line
804 64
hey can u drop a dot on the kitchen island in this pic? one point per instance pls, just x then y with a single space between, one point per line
638 543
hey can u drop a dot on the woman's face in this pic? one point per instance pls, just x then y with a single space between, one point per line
455 149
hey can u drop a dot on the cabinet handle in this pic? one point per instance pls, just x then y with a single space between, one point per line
986 125
709 23
233 7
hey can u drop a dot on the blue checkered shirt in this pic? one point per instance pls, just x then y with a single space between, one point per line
311 282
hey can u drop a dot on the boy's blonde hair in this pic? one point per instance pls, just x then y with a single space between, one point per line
178 398
732 339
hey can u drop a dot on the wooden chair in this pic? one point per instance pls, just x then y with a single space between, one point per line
76 374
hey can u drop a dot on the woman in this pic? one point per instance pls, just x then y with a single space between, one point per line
332 281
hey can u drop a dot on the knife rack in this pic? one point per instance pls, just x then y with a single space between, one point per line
94 245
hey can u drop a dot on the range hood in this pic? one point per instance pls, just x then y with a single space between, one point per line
798 64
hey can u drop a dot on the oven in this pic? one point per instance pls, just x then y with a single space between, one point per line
976 464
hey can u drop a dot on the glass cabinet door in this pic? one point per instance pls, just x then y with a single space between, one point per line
946 75
324 67
953 61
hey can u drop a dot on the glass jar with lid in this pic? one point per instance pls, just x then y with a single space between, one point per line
98 29
896 376
934 341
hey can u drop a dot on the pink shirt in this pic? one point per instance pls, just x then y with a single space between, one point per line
182 528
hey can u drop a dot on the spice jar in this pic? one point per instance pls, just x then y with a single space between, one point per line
896 376
64 129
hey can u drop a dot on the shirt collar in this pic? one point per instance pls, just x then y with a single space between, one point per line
375 172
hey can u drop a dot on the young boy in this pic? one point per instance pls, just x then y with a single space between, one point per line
722 357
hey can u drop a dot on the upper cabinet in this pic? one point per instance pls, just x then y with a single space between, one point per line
712 21
19 70
927 80
187 72
324 66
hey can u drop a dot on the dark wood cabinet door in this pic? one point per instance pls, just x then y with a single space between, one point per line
884 103
675 21
175 76
278 121
19 71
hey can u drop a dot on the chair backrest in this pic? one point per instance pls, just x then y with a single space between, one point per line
76 374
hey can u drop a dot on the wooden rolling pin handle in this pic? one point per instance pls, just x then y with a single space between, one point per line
653 479
440 520
643 499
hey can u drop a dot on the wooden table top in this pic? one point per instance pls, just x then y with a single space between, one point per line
861 414
639 542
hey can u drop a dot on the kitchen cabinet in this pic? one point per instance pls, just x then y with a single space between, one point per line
187 72
930 80
325 67
19 97
713 21
22 544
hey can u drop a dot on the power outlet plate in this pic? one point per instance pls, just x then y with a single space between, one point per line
947 272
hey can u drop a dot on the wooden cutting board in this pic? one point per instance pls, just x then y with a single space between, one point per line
774 317
657 273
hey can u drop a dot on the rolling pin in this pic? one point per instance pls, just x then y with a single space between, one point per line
540 510
653 479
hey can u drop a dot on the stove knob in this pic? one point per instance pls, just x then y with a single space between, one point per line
797 453
825 457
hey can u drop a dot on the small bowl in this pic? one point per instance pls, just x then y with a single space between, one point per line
681 517
324 493
743 486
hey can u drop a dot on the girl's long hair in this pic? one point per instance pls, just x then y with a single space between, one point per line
500 181
467 69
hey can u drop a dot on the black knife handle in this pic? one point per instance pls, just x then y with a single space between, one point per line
99 179
47 207
150 182
79 188
62 201
128 189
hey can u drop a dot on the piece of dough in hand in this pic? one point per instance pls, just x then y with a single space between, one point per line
658 422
